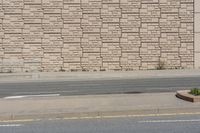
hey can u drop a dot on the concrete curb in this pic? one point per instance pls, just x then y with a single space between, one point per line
187 97
71 76
103 114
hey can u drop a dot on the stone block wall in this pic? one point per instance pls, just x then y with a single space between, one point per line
95 35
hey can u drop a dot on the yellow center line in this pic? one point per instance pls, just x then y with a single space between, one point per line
99 117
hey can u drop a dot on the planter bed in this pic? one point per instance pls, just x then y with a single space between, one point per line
185 95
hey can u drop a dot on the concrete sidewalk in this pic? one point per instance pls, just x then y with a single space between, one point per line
94 106
79 76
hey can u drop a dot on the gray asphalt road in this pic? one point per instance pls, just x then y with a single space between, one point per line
167 124
99 86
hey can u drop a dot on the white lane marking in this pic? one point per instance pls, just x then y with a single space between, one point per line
45 92
11 125
25 96
169 121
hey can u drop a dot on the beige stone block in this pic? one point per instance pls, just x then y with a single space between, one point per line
171 60
71 59
112 66
91 4
170 42
11 31
169 29
32 21
8 69
91 10
52 11
130 30
130 42
110 11
110 1
87 30
149 1
1 63
52 59
187 32
32 11
13 3
72 11
1 53
12 55
13 41
32 51
32 61
149 65
10 11
110 30
110 20
147 39
71 40
32 2
169 20
186 49
150 12
91 20
1 13
1 33
52 41
149 58
71 51
72 30
91 41
130 6
186 13
109 40
150 30
185 58
52 21
13 62
187 65
71 20
170 3
13 21
71 1
52 3
170 6
130 20
74 66
150 49
130 61
33 30
91 61
169 9
110 50
52 31
52 50
107 58
187 1
36 41
91 50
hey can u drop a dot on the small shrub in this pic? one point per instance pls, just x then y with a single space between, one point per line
161 65
195 91
62 70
